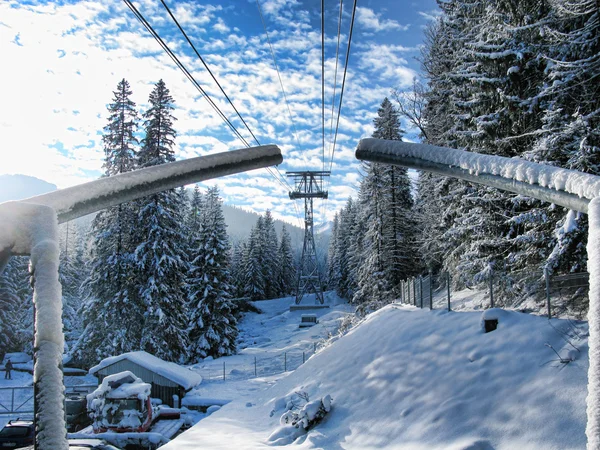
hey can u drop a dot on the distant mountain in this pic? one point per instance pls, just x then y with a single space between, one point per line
240 222
18 187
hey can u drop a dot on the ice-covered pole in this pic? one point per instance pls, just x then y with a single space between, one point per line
33 229
569 188
593 399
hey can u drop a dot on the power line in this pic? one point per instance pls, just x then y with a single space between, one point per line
278 74
208 69
179 64
323 78
337 53
343 83
190 77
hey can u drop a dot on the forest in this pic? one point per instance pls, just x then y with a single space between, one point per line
507 78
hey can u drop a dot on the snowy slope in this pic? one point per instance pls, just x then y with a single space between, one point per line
414 379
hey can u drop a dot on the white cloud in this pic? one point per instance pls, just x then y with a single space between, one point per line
371 21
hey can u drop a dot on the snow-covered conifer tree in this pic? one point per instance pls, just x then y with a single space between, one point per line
270 260
254 285
213 327
111 315
160 266
287 269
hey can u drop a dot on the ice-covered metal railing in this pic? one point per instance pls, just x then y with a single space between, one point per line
30 227
86 198
569 188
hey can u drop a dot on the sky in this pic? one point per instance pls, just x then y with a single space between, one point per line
62 61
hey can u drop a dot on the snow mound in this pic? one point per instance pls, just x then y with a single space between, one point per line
413 379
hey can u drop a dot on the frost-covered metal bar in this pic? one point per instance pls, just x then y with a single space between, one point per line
569 188
30 227
90 197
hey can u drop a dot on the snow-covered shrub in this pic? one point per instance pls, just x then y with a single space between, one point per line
311 414
296 420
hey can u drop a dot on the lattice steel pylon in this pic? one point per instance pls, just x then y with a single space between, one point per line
309 185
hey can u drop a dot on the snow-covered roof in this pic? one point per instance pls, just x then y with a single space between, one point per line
186 378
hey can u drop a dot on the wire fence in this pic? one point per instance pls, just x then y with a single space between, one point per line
257 366
420 291
16 401
564 294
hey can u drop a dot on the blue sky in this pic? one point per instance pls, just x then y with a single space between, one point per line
62 60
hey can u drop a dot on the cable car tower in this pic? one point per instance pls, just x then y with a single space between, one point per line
309 185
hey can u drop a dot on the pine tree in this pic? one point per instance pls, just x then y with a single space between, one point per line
15 302
213 327
287 269
270 262
254 283
160 266
111 316
387 251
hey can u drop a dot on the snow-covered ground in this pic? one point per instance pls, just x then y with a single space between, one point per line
404 378
407 378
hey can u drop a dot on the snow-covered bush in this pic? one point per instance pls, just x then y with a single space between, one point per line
297 420
309 415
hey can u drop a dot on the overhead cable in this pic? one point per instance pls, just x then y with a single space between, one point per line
278 74
208 69
343 83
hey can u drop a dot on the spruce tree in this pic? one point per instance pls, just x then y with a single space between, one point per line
287 269
270 260
15 305
160 266
254 282
110 314
213 327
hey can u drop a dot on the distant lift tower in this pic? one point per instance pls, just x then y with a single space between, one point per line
309 185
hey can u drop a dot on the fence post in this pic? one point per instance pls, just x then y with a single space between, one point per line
285 362
223 370
12 401
491 288
414 285
303 358
255 371
547 277
315 347
430 291
448 288
421 289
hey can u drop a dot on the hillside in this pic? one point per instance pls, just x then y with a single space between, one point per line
413 379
